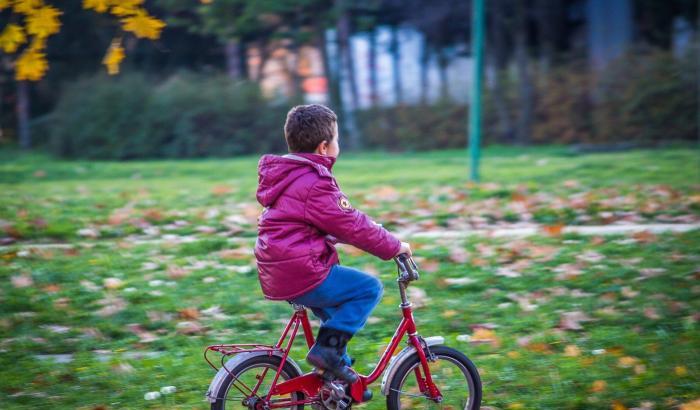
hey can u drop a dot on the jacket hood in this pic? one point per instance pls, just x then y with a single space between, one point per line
276 173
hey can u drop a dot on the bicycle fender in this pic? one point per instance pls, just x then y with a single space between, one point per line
404 354
231 364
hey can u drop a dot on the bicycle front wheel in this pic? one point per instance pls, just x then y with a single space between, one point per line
250 381
453 374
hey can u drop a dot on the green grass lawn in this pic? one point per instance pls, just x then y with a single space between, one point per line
563 322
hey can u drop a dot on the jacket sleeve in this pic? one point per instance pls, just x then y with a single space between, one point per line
328 209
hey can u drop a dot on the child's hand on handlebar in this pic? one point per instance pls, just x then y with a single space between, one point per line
405 248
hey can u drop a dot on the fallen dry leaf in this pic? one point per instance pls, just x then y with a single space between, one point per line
459 254
51 288
644 237
598 386
617 405
220 190
627 361
112 283
572 320
553 230
483 335
386 193
507 272
651 313
23 280
189 313
144 335
572 351
693 405
177 272
190 327
110 305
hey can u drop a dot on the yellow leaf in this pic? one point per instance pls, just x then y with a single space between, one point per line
143 25
44 21
31 65
680 371
126 8
513 354
11 38
572 351
693 405
627 361
516 406
130 3
598 386
99 6
26 6
618 406
123 11
4 4
482 335
114 57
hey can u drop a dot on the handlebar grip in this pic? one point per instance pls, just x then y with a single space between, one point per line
407 266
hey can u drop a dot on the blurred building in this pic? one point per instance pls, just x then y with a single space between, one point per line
597 30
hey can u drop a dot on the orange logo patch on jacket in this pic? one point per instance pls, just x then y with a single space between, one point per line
344 204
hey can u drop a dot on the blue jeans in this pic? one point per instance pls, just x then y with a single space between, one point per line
344 300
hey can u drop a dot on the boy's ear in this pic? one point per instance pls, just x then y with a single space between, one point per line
322 147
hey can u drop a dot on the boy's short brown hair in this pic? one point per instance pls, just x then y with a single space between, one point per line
309 125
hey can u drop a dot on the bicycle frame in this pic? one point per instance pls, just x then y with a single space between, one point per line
311 383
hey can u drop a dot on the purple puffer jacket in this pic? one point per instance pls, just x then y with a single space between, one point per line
305 212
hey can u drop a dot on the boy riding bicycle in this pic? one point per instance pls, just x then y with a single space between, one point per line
305 215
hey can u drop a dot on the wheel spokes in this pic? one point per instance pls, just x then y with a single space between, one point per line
449 376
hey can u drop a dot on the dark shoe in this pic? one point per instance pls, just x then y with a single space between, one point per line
326 354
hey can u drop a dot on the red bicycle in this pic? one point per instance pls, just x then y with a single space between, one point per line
425 374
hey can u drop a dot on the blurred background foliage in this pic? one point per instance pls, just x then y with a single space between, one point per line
223 72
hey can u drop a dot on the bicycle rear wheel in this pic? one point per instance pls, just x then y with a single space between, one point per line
235 391
452 372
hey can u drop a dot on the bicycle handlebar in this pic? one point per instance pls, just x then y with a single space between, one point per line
408 270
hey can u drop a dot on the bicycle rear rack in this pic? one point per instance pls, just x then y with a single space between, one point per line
227 350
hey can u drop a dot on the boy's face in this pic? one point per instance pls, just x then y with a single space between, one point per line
330 149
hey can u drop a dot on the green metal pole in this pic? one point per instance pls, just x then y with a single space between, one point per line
475 104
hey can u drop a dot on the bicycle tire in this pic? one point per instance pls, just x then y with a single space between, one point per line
271 362
468 369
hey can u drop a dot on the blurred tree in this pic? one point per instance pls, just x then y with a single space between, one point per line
29 23
655 19
522 63
445 27
497 57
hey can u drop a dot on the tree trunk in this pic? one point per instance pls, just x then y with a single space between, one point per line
328 71
499 60
396 64
424 66
444 84
544 10
373 96
348 104
344 35
25 138
525 100
232 52
293 70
